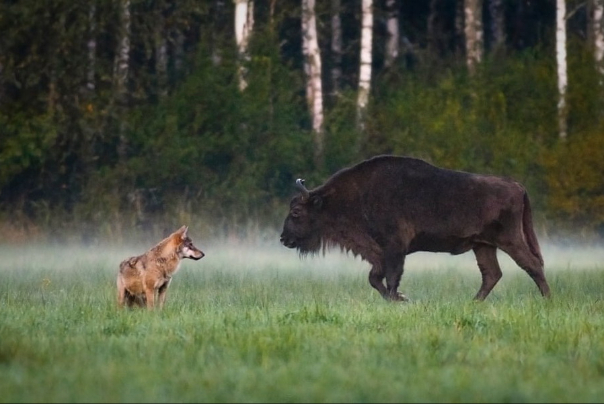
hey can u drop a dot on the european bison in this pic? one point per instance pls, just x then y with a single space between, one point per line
387 207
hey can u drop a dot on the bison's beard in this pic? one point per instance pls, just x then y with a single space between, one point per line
309 245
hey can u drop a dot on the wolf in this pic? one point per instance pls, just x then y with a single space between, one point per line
143 280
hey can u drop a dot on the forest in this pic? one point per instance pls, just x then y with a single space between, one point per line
125 117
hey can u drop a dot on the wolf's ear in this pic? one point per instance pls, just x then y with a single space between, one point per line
183 231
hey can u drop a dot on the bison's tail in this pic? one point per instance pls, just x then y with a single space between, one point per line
529 232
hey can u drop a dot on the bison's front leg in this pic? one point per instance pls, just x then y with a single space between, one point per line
394 264
376 279
392 274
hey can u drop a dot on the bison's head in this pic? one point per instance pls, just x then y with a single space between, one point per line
301 228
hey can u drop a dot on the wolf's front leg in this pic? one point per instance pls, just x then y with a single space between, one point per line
163 290
150 294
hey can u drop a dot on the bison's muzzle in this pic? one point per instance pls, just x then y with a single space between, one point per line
287 242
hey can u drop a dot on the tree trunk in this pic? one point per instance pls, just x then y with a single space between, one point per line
431 29
216 32
392 33
179 50
459 27
336 46
2 80
497 25
598 37
365 67
90 75
561 62
120 74
244 24
312 68
473 31
161 52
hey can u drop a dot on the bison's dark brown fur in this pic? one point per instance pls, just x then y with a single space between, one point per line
388 207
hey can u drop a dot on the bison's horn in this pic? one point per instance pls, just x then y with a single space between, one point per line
301 187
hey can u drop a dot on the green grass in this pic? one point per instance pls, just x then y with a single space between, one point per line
257 324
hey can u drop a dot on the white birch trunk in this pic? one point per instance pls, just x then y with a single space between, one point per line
90 74
1 83
497 24
431 27
306 54
122 57
313 71
121 72
244 24
179 50
562 69
392 33
217 11
161 53
336 46
473 32
365 63
459 27
598 37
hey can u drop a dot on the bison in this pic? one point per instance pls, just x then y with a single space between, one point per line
387 207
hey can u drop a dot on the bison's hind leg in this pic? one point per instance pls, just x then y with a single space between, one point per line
486 257
524 257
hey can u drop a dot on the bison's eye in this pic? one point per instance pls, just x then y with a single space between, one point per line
296 212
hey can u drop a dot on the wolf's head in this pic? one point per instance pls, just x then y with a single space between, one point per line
185 247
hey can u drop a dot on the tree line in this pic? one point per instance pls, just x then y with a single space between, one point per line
139 114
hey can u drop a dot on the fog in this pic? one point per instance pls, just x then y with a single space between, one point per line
233 255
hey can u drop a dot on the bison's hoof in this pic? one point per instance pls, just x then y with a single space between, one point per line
398 297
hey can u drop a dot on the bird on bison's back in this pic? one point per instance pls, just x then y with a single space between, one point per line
388 207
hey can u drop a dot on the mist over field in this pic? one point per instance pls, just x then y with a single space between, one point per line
255 255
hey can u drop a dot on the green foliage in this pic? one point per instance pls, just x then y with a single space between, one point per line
209 152
574 179
23 145
496 122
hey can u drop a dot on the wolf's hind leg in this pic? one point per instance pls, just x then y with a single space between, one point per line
121 293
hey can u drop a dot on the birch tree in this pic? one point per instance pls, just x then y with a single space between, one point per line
177 38
598 37
244 24
497 24
312 68
562 69
473 33
1 84
392 33
161 51
336 46
365 64
217 22
121 72
459 27
91 45
431 28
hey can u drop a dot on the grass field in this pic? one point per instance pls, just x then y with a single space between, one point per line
255 323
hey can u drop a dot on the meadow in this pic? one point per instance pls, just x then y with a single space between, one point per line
252 322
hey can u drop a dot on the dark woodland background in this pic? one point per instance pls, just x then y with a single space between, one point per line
184 145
